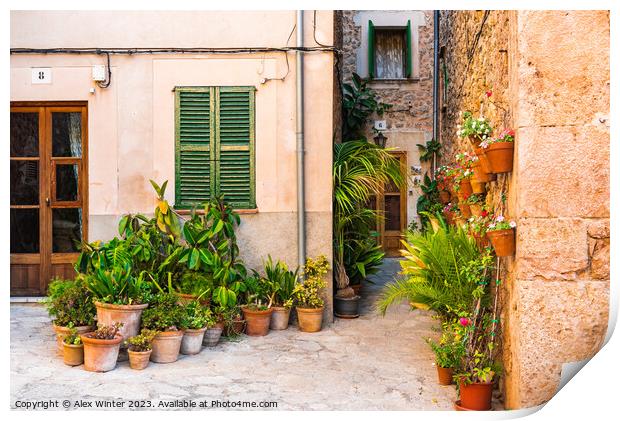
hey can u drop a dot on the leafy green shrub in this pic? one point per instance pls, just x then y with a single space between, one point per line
450 349
163 313
143 341
69 302
73 338
197 316
119 286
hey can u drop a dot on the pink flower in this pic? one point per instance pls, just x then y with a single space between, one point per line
464 321
512 224
500 218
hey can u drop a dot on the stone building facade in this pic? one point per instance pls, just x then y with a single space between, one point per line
552 87
410 119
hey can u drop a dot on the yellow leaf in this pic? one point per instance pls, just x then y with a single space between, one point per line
163 206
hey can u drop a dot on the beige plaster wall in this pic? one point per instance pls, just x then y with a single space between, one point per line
131 123
550 81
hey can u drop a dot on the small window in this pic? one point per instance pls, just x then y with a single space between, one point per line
389 52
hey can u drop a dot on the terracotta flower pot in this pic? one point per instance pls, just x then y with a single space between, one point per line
503 241
481 174
444 376
184 299
100 354
476 210
280 318
481 240
62 332
192 341
485 166
476 396
310 319
235 327
465 189
257 321
465 211
212 335
139 360
128 315
449 217
500 156
477 187
166 346
444 197
73 354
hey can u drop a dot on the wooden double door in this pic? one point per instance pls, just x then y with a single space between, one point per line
391 205
49 192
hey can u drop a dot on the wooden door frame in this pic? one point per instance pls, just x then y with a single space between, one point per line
46 257
380 203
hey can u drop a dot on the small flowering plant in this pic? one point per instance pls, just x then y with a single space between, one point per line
477 225
500 223
444 176
507 135
475 199
450 207
479 129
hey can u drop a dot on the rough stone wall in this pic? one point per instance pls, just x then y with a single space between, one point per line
550 81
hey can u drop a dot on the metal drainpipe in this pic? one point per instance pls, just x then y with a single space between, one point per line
299 81
435 84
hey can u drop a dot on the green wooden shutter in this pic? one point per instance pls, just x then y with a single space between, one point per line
235 151
371 49
409 57
194 141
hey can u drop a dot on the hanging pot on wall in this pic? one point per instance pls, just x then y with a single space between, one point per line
465 188
444 197
465 211
485 166
500 156
503 241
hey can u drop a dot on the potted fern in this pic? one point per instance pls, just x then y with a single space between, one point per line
140 348
307 295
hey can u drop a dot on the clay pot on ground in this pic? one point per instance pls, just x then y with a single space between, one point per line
166 346
279 318
192 341
257 321
465 189
212 335
500 156
444 375
475 396
62 332
347 307
465 211
139 360
485 166
234 327
185 299
476 210
100 354
310 319
128 315
444 197
503 242
73 354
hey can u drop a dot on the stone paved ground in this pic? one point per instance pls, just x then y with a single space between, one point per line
370 363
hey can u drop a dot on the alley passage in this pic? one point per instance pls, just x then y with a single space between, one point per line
368 363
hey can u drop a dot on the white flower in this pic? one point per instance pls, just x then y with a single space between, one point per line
491 226
481 119
499 218
512 224
458 126
484 136
487 131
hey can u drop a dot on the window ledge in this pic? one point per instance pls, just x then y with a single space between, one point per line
201 211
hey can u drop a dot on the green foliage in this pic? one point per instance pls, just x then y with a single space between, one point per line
362 258
450 349
428 201
308 293
281 282
69 302
197 316
163 313
142 342
429 150
359 102
436 271
479 129
106 332
119 286
196 283
73 338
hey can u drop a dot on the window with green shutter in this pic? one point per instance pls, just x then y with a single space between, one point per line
390 52
215 145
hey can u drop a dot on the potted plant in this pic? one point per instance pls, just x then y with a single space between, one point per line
448 352
281 282
307 295
165 316
444 183
257 308
214 332
501 233
101 347
451 212
464 207
121 297
70 305
193 285
73 348
500 151
477 227
481 175
476 130
140 348
196 320
476 204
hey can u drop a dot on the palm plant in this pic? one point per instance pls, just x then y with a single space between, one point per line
360 170
443 270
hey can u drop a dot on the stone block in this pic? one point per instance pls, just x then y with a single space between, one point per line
563 70
563 171
599 258
599 228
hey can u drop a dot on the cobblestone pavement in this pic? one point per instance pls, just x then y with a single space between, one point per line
369 363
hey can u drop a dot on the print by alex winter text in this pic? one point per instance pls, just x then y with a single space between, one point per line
432 194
